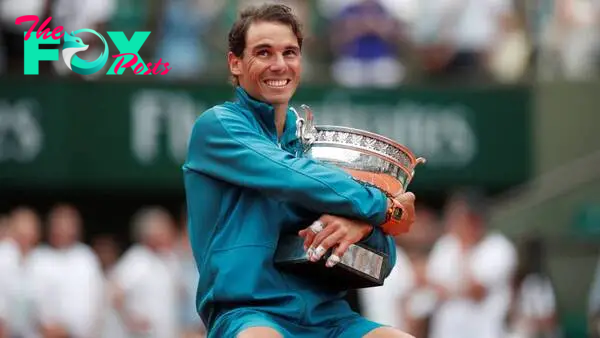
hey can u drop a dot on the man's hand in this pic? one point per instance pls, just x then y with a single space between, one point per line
3 330
54 331
329 231
136 324
406 202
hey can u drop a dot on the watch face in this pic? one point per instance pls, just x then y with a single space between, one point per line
397 213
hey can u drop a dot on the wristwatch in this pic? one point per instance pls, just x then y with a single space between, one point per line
394 211
394 225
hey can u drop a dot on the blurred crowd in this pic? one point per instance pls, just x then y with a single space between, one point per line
62 287
353 43
454 278
457 278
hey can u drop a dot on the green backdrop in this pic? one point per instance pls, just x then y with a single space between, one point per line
128 135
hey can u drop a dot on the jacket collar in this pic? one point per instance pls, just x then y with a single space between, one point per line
265 114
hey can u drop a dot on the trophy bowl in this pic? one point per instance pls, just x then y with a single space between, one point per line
369 158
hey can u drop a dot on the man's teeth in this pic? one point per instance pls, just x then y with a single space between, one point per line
276 83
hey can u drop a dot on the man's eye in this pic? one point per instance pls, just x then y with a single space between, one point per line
290 52
262 53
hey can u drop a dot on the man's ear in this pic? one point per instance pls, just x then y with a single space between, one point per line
235 64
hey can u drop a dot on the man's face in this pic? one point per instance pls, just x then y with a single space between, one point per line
269 69
64 229
3 227
26 229
464 223
159 233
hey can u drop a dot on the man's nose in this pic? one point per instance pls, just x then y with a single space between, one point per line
278 64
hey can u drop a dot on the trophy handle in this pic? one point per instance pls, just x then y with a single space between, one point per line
305 127
309 131
310 116
420 160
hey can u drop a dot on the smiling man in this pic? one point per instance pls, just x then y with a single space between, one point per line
245 186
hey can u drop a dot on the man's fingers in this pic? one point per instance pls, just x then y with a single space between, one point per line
315 248
337 254
407 200
325 218
327 243
308 237
406 197
310 232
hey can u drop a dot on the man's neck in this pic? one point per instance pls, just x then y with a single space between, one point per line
24 250
280 117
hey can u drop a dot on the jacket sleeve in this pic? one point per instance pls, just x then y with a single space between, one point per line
381 242
224 146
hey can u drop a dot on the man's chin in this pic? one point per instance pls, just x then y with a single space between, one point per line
277 99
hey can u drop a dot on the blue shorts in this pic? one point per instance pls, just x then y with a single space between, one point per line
234 322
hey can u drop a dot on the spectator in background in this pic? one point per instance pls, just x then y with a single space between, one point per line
191 324
576 36
72 284
108 251
18 271
145 282
594 305
365 39
420 239
183 29
472 269
383 304
79 14
454 39
533 312
12 36
387 304
420 301
3 227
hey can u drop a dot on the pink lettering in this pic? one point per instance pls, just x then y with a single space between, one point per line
48 34
132 62
42 31
148 71
167 69
156 65
138 68
57 30
26 18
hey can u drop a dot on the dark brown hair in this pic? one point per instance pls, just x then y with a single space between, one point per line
265 13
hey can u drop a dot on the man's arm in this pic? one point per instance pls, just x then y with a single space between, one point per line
224 146
339 233
495 268
126 275
3 312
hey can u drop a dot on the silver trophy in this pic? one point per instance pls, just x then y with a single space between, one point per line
370 159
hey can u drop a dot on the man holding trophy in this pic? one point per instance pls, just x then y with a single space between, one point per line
257 174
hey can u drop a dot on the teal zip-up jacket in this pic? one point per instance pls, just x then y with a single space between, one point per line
244 188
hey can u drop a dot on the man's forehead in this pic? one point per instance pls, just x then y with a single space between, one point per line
270 33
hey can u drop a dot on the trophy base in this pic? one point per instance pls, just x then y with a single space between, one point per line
360 267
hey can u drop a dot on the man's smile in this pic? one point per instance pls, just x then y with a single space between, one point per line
277 83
